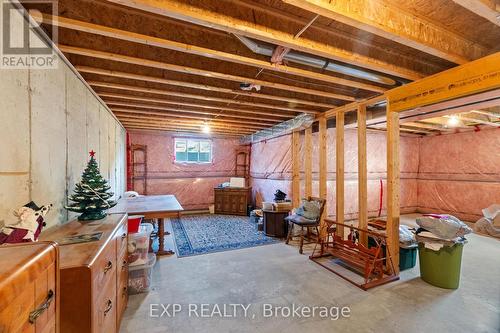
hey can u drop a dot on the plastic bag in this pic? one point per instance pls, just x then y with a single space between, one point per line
406 236
485 226
444 226
492 213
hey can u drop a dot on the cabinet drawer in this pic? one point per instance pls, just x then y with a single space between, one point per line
122 262
104 269
45 288
20 309
105 311
121 296
121 238
34 309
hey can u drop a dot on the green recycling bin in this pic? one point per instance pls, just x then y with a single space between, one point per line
441 268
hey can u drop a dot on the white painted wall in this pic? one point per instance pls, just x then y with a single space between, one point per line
49 121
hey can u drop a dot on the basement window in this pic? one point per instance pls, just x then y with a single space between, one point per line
193 150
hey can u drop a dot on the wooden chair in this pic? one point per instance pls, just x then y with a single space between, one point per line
305 223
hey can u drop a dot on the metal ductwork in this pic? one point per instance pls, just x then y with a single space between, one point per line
298 123
292 56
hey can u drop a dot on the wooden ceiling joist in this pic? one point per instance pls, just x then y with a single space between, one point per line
353 106
169 102
140 120
148 107
195 127
200 16
202 97
427 126
489 114
334 34
196 71
479 121
132 126
118 110
390 21
201 51
178 132
187 124
257 119
186 120
489 9
124 75
181 113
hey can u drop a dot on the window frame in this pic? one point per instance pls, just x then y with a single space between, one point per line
186 140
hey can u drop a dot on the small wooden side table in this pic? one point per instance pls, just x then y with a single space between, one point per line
275 224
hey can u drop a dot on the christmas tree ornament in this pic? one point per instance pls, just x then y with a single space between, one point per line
91 196
30 221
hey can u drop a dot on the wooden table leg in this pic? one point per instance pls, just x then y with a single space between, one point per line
161 239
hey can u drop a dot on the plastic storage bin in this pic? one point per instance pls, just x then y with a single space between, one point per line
441 268
140 277
138 245
407 257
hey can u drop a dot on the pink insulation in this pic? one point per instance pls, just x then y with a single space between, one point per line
459 173
192 184
272 160
271 168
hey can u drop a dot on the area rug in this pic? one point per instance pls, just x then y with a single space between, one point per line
200 234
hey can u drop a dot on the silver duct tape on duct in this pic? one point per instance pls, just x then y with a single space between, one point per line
298 123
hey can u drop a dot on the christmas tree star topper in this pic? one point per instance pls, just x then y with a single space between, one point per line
92 153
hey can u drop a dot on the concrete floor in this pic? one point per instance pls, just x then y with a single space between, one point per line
278 275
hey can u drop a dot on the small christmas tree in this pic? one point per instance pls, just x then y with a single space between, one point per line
91 195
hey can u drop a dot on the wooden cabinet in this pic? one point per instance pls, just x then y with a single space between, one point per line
275 224
232 200
29 293
94 275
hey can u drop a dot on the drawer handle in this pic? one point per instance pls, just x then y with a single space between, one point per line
124 292
108 267
109 306
124 235
38 312
124 264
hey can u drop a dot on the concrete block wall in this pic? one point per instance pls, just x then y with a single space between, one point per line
50 120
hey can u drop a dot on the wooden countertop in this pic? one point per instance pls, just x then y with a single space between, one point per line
83 254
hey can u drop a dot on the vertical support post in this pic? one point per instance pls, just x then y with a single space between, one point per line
393 186
295 169
362 175
340 171
308 162
322 171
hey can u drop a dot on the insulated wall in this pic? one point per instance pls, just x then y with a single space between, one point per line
272 164
459 173
191 183
50 121
271 168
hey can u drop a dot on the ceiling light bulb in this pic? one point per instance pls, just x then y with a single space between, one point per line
453 121
206 128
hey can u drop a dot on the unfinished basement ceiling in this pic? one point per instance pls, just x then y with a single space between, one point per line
174 65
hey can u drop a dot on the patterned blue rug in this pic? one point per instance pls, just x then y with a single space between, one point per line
200 234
